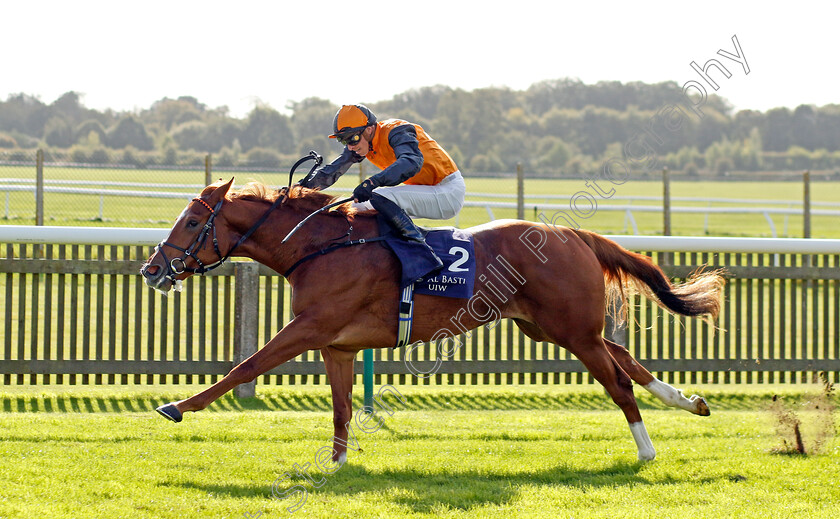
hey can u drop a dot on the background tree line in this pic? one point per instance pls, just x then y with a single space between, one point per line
556 128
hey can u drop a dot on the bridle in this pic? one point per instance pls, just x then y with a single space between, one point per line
177 266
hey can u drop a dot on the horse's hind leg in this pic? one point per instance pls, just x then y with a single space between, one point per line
668 394
609 373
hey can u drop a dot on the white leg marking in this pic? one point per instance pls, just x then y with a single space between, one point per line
342 458
673 397
643 443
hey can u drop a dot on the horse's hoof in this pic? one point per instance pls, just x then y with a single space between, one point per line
702 406
647 455
170 412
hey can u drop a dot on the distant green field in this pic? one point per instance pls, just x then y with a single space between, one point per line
81 209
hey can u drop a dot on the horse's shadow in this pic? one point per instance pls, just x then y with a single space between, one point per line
423 492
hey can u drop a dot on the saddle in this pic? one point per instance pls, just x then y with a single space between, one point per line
453 246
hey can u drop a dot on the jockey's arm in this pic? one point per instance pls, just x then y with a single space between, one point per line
403 139
326 176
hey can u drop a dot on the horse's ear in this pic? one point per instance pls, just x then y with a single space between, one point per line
226 187
219 190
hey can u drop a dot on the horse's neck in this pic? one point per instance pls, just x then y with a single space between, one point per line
264 245
241 216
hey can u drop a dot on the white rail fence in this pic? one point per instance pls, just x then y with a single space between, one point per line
152 236
794 207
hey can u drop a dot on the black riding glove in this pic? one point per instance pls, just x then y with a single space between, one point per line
363 191
309 181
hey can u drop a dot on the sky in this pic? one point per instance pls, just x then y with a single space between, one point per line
127 55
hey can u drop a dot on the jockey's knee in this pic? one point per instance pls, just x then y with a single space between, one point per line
449 212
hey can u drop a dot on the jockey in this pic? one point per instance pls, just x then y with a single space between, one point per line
432 185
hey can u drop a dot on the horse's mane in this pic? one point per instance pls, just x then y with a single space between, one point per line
305 199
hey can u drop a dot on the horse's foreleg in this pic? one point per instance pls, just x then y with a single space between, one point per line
339 365
300 335
666 393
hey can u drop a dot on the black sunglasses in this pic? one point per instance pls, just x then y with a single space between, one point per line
349 140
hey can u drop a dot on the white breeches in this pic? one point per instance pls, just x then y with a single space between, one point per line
440 202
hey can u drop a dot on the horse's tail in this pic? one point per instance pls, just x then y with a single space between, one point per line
700 295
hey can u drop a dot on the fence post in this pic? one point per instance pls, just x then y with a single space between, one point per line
666 258
208 170
666 203
361 173
245 323
806 206
367 379
520 192
806 223
39 187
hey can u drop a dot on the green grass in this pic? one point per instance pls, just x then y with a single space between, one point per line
505 451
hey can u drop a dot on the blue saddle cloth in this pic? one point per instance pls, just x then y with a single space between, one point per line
453 246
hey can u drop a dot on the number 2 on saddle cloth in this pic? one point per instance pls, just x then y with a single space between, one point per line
456 279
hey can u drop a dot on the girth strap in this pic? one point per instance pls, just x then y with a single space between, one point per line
406 310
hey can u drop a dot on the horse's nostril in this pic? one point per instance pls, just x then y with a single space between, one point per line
149 271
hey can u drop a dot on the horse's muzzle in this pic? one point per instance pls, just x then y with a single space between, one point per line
155 277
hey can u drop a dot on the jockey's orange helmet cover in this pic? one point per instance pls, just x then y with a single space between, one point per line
351 119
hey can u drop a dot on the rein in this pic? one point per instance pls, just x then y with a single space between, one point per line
177 266
326 207
327 250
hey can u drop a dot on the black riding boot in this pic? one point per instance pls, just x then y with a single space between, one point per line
401 222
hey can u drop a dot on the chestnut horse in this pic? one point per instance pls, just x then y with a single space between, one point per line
347 301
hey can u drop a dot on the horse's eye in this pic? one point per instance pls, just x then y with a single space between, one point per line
192 224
